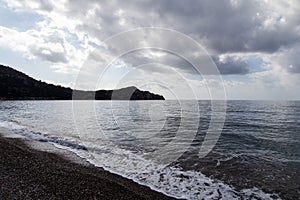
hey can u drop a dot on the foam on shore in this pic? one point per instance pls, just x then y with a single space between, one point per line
171 180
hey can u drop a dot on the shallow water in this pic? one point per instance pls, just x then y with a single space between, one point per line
156 143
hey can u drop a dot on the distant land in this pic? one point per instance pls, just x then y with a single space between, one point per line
15 85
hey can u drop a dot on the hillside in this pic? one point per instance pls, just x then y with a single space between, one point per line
15 85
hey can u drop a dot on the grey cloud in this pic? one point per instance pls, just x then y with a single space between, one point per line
232 66
289 59
51 48
46 5
222 26
55 57
48 55
229 28
140 57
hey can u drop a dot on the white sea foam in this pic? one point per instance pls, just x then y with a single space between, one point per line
172 181
11 125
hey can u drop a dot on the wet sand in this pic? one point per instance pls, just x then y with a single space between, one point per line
28 173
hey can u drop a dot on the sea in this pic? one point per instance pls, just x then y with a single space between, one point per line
253 149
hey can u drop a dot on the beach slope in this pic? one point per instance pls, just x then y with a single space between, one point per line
27 173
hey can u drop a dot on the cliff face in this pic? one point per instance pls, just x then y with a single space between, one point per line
15 85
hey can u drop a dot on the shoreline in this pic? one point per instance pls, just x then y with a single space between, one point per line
27 172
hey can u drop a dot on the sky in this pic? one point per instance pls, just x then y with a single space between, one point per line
252 46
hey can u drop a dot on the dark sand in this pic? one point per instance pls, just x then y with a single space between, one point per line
26 173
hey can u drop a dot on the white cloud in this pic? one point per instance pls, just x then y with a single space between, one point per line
49 44
231 30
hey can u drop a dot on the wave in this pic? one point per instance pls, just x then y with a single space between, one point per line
23 131
171 180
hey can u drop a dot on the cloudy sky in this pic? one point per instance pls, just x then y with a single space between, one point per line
254 45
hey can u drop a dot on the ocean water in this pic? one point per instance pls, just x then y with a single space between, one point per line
157 143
